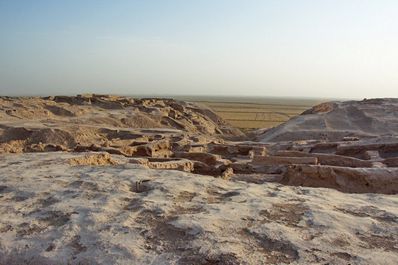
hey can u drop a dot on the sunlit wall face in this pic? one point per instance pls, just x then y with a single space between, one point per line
338 49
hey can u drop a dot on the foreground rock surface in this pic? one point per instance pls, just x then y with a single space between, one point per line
55 213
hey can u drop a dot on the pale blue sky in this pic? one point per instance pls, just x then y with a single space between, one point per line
306 48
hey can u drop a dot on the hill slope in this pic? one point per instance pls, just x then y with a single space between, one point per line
29 124
335 120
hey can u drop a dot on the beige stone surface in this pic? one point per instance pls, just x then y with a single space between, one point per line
54 213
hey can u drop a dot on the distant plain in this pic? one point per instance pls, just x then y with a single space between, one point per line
253 113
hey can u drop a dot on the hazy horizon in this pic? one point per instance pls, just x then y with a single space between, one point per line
193 97
305 49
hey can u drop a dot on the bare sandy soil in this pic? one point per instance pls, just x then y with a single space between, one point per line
55 213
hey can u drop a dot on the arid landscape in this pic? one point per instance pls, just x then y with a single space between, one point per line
198 132
99 179
254 113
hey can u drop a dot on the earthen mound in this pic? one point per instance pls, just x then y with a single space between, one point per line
29 124
333 121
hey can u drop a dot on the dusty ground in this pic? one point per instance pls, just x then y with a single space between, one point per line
78 184
55 213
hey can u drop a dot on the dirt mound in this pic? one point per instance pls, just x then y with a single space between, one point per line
125 112
333 121
39 124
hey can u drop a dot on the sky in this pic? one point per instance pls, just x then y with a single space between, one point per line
276 48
